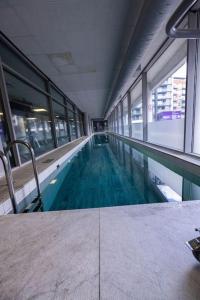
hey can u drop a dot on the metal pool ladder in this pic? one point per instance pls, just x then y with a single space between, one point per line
9 180
32 153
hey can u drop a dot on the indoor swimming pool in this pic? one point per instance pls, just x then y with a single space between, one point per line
110 172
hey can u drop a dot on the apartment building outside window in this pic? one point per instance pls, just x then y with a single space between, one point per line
137 111
167 97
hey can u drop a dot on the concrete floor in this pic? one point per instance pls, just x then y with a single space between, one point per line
129 252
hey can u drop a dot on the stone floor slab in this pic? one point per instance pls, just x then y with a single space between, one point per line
143 254
52 255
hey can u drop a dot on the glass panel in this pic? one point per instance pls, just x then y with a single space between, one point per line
78 124
55 94
136 112
30 116
115 116
117 119
3 136
70 106
196 143
125 116
120 118
10 58
81 124
72 125
60 124
167 90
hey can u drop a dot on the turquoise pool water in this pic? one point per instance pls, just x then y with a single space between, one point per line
110 172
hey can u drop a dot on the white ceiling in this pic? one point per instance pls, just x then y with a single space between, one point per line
75 42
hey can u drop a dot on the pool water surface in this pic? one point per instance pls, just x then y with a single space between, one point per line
110 172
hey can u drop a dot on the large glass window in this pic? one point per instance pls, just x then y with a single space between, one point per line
30 115
120 118
137 112
117 119
72 124
196 135
14 61
77 123
167 97
112 121
125 116
56 95
3 135
60 123
81 123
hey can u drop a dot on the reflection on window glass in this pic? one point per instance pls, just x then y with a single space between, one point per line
60 123
115 120
120 118
56 95
30 114
125 116
3 136
72 125
70 106
78 124
167 87
111 122
196 142
136 112
13 60
80 116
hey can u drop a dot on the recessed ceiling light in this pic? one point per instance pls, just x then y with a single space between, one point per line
31 118
39 109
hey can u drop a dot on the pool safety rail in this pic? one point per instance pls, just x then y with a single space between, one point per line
32 153
171 27
9 180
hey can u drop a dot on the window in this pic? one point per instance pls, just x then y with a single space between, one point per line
30 114
115 120
14 61
60 123
112 122
137 111
72 124
56 95
120 118
81 123
196 134
125 116
77 123
167 90
3 136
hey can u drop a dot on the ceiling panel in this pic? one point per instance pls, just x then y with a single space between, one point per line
75 42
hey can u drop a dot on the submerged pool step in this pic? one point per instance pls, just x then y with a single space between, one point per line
35 205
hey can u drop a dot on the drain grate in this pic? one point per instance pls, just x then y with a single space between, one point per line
47 161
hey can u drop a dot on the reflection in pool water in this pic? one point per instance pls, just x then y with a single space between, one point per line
109 172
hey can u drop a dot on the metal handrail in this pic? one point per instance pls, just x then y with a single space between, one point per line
9 180
26 144
177 17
